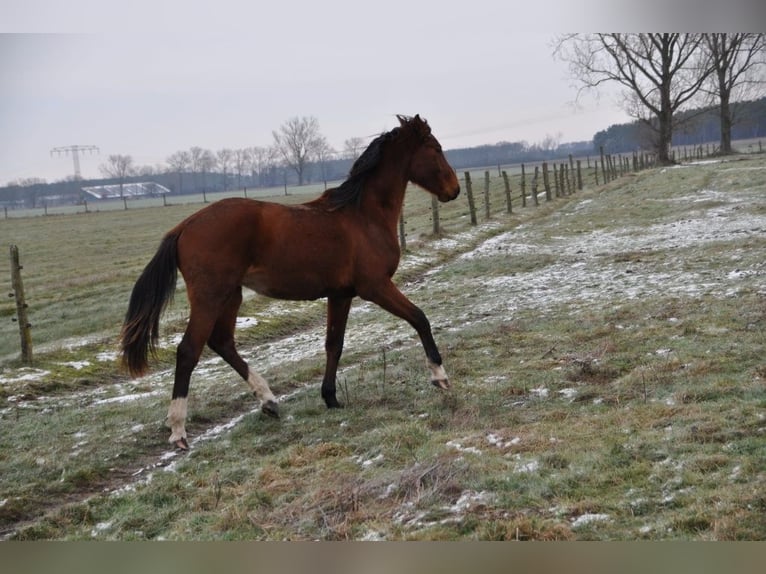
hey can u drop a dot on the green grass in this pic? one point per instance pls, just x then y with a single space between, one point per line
606 354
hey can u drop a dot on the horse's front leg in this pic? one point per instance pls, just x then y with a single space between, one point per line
337 316
387 296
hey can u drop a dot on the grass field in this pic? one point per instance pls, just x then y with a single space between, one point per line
606 351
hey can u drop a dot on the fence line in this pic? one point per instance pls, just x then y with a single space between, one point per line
558 179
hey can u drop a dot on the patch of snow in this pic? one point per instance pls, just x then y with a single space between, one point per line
76 365
100 527
528 467
460 448
126 398
27 374
246 322
366 463
470 500
390 489
107 356
372 536
587 518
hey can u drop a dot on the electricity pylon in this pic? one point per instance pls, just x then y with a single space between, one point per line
75 151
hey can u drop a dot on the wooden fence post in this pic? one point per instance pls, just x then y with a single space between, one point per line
603 164
546 182
579 176
487 210
507 183
469 193
556 188
435 214
523 187
21 307
534 185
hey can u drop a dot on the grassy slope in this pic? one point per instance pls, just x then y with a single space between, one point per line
606 352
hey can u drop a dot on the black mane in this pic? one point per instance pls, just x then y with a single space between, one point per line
350 191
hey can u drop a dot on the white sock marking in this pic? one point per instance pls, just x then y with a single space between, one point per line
437 372
260 387
177 419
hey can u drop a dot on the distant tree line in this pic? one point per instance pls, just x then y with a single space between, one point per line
696 127
309 159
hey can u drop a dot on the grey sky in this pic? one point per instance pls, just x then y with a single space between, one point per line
166 75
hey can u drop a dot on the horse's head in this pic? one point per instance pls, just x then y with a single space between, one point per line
428 167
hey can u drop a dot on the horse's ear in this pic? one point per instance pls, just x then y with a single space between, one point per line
422 125
402 119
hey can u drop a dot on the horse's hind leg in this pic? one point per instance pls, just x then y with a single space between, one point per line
201 321
337 316
222 342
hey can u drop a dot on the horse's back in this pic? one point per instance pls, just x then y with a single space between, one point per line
284 251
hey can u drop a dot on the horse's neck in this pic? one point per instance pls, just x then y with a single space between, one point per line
386 192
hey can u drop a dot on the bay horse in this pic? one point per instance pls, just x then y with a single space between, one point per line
341 245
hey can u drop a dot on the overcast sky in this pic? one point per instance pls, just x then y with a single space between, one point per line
148 78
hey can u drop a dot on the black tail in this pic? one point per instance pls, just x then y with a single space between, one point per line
151 294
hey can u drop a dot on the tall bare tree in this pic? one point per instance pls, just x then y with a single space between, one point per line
297 140
322 153
738 62
179 162
353 147
241 162
119 167
224 158
662 73
258 161
207 164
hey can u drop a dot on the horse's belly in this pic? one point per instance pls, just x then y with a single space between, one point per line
302 288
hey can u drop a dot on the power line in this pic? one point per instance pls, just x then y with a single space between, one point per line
75 150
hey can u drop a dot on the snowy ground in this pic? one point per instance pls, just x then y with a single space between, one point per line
584 269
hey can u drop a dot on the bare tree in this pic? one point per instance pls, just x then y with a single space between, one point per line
737 61
297 141
662 73
119 167
550 142
258 157
179 162
207 164
224 159
323 151
201 161
353 147
241 162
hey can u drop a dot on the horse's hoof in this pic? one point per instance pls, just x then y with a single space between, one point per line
442 384
271 409
181 444
332 402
